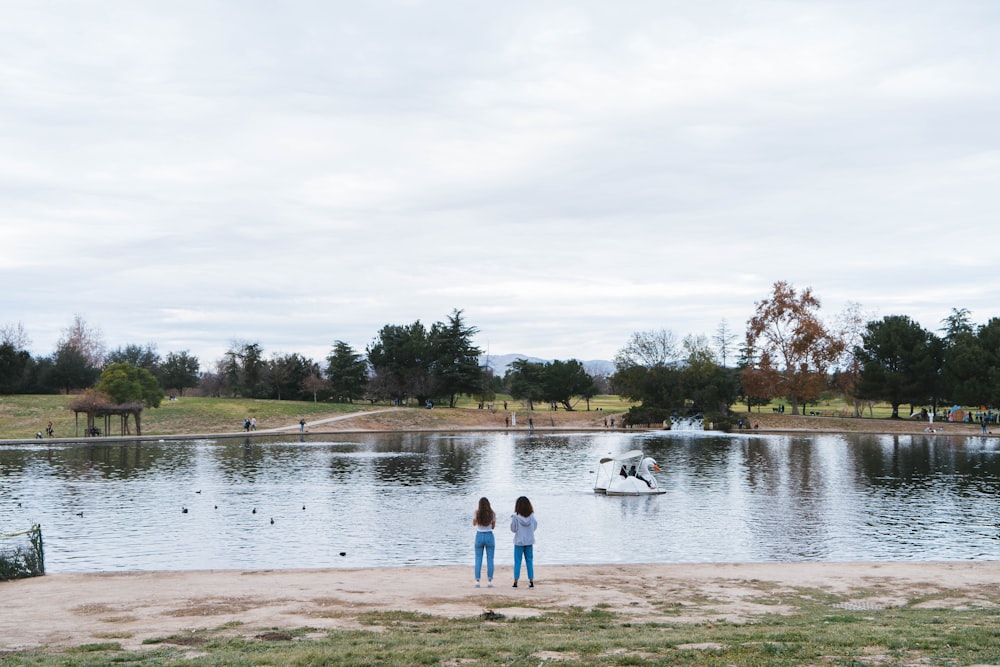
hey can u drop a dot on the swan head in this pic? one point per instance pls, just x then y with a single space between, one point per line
649 463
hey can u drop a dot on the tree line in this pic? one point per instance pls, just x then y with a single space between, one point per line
403 364
787 351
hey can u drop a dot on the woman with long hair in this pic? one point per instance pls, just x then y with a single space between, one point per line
523 524
485 520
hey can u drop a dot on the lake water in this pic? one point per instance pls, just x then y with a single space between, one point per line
408 499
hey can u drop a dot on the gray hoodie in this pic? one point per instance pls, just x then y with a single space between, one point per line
523 528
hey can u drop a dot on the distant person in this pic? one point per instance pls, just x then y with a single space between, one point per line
523 525
302 425
253 423
49 431
485 520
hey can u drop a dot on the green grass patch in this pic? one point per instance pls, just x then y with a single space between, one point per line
22 416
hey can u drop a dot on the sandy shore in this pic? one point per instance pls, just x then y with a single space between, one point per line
74 609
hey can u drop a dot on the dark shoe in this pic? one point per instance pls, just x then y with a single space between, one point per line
531 584
515 585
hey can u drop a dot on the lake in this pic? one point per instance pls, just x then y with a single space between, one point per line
407 499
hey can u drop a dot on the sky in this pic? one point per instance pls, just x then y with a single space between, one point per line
193 174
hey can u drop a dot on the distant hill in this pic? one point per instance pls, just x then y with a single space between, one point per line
501 362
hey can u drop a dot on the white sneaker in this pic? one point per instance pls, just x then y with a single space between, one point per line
477 584
489 585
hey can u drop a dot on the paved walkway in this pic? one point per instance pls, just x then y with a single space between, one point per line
318 422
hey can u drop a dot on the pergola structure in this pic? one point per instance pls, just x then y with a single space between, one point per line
96 405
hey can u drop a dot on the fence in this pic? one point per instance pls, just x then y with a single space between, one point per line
22 556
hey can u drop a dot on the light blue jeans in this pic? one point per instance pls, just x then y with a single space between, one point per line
485 542
527 552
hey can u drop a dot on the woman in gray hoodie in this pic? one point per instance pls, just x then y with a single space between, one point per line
523 524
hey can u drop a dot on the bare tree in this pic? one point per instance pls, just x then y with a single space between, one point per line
649 349
85 339
850 327
724 340
15 336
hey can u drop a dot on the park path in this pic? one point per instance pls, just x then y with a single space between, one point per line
318 422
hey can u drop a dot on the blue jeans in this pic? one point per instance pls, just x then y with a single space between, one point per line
527 552
485 542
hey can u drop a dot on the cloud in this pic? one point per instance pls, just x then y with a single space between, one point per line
567 173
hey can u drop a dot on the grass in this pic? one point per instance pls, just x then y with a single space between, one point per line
813 632
22 416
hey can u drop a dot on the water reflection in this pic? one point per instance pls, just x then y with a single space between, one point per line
397 499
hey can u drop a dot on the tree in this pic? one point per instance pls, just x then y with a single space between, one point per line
959 323
649 349
401 358
456 367
850 327
647 371
140 356
15 336
659 387
562 380
787 327
314 384
86 340
347 373
526 381
244 369
898 363
709 387
132 388
15 366
126 383
71 369
179 371
759 380
724 340
287 373
988 338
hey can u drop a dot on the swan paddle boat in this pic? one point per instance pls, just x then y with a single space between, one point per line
628 474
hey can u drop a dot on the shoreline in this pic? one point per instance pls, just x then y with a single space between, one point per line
808 426
132 608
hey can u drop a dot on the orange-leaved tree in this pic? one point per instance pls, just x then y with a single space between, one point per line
787 331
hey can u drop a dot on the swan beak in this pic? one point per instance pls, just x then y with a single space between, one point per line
656 467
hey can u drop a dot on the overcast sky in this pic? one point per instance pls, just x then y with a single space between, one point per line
191 174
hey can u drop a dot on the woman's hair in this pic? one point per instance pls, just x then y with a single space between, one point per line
484 513
523 506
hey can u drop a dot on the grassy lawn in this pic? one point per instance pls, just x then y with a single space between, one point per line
22 416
